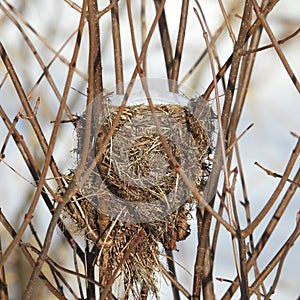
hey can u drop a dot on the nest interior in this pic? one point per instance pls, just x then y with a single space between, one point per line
134 166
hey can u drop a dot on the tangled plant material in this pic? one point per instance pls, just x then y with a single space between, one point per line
134 167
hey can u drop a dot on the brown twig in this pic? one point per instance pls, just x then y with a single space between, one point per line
236 58
172 270
54 264
275 175
115 24
74 247
144 33
262 242
276 46
221 279
246 205
13 233
35 173
22 96
134 243
45 41
229 28
213 39
276 193
242 269
243 83
38 131
180 42
175 283
56 214
234 143
221 142
288 245
73 5
95 77
37 104
133 40
165 39
279 42
38 58
38 241
203 263
279 259
198 266
3 283
249 33
94 108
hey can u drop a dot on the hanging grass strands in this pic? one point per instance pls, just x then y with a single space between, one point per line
136 188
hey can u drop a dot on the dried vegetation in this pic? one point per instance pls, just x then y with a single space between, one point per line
167 165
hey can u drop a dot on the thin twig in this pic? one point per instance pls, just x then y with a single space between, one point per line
276 46
165 39
249 33
52 263
279 42
243 273
39 133
221 279
172 270
180 42
22 96
38 241
243 83
179 286
16 172
115 24
198 265
35 173
73 5
132 35
77 269
221 137
278 258
234 143
213 39
3 283
144 33
229 28
95 76
262 242
45 41
246 205
203 263
138 238
33 279
288 246
38 58
275 175
276 193
28 256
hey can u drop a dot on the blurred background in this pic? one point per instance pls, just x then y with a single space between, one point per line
272 104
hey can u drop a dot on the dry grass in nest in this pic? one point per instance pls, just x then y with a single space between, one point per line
135 167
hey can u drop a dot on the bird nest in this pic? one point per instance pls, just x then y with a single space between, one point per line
136 168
